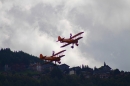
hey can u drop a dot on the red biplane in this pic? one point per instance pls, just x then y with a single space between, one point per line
72 40
55 57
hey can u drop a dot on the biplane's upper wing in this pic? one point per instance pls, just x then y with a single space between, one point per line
59 52
65 45
76 35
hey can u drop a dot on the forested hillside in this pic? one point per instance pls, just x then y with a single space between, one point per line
16 57
51 77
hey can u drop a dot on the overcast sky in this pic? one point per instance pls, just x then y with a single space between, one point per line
34 25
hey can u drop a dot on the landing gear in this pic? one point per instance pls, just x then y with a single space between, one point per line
72 46
77 44
59 62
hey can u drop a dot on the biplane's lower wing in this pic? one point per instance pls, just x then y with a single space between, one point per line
61 56
66 45
79 38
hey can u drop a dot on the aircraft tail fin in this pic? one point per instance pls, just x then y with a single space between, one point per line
59 38
41 56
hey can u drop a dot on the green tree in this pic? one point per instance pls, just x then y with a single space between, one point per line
56 73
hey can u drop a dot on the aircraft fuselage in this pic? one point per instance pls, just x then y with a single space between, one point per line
69 40
52 58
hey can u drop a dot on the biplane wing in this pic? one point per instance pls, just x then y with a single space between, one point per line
78 38
58 53
61 56
65 45
76 35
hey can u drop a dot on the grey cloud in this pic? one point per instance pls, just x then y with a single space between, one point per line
111 48
110 14
47 18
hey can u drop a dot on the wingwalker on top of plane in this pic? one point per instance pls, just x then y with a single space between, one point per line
72 40
56 57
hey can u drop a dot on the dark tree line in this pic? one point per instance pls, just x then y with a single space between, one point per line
10 58
57 78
